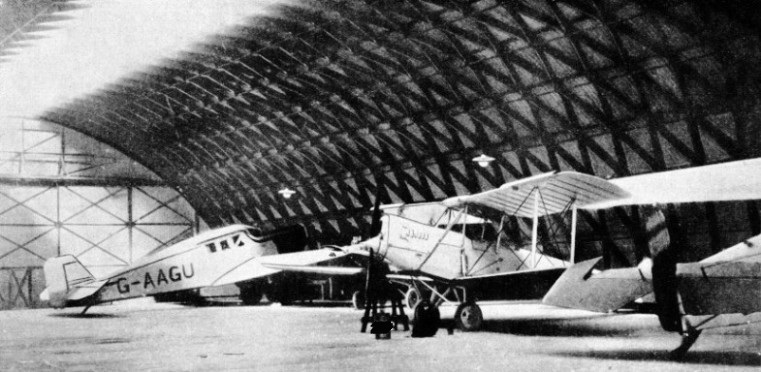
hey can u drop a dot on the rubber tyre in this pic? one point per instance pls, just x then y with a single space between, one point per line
425 320
250 295
412 298
358 300
468 317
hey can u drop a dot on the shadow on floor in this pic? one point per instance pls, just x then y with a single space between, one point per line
86 315
576 327
734 358
225 303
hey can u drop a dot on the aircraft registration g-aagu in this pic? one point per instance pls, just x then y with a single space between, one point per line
228 255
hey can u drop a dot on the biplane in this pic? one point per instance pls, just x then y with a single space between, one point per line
228 255
689 297
447 257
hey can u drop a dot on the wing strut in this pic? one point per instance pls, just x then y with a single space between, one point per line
574 216
534 227
499 233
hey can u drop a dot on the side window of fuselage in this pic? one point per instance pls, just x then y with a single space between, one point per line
234 241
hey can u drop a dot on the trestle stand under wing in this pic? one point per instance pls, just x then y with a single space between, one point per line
378 290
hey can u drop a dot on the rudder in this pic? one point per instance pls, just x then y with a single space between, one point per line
61 275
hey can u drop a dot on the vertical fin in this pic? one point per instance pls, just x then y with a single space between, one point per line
61 275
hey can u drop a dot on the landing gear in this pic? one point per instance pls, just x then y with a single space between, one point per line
280 289
358 300
426 319
412 297
688 339
468 317
250 294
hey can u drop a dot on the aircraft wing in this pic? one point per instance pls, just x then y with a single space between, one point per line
737 180
725 283
247 270
726 288
309 262
519 273
557 191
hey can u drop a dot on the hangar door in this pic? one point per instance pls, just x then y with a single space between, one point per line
61 193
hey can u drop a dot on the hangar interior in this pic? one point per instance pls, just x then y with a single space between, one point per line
348 102
64 193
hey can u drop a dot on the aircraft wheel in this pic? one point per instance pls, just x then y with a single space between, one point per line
469 317
279 294
250 295
426 319
412 297
358 300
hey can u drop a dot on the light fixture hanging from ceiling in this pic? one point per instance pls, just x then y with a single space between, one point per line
286 193
483 160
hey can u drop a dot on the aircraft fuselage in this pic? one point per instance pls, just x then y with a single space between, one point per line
194 263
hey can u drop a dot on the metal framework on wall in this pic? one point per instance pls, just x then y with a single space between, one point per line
55 199
337 99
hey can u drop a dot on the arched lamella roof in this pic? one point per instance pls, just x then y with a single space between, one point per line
346 101
21 22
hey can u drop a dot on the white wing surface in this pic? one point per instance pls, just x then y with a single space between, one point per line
556 192
738 180
308 262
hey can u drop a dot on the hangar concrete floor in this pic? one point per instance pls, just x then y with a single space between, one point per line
142 335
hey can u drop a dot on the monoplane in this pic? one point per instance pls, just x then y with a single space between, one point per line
228 255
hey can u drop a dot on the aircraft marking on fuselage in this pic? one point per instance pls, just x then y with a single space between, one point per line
199 245
408 233
175 273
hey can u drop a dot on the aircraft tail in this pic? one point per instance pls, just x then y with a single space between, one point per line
65 275
580 287
583 287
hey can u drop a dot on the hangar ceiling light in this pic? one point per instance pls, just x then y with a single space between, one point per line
286 193
483 160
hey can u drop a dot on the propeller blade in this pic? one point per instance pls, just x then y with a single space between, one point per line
375 226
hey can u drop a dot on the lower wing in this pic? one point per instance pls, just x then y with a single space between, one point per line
310 262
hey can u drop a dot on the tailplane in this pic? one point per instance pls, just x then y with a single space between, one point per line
582 287
67 280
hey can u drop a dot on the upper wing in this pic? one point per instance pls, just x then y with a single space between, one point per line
556 192
308 262
738 180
